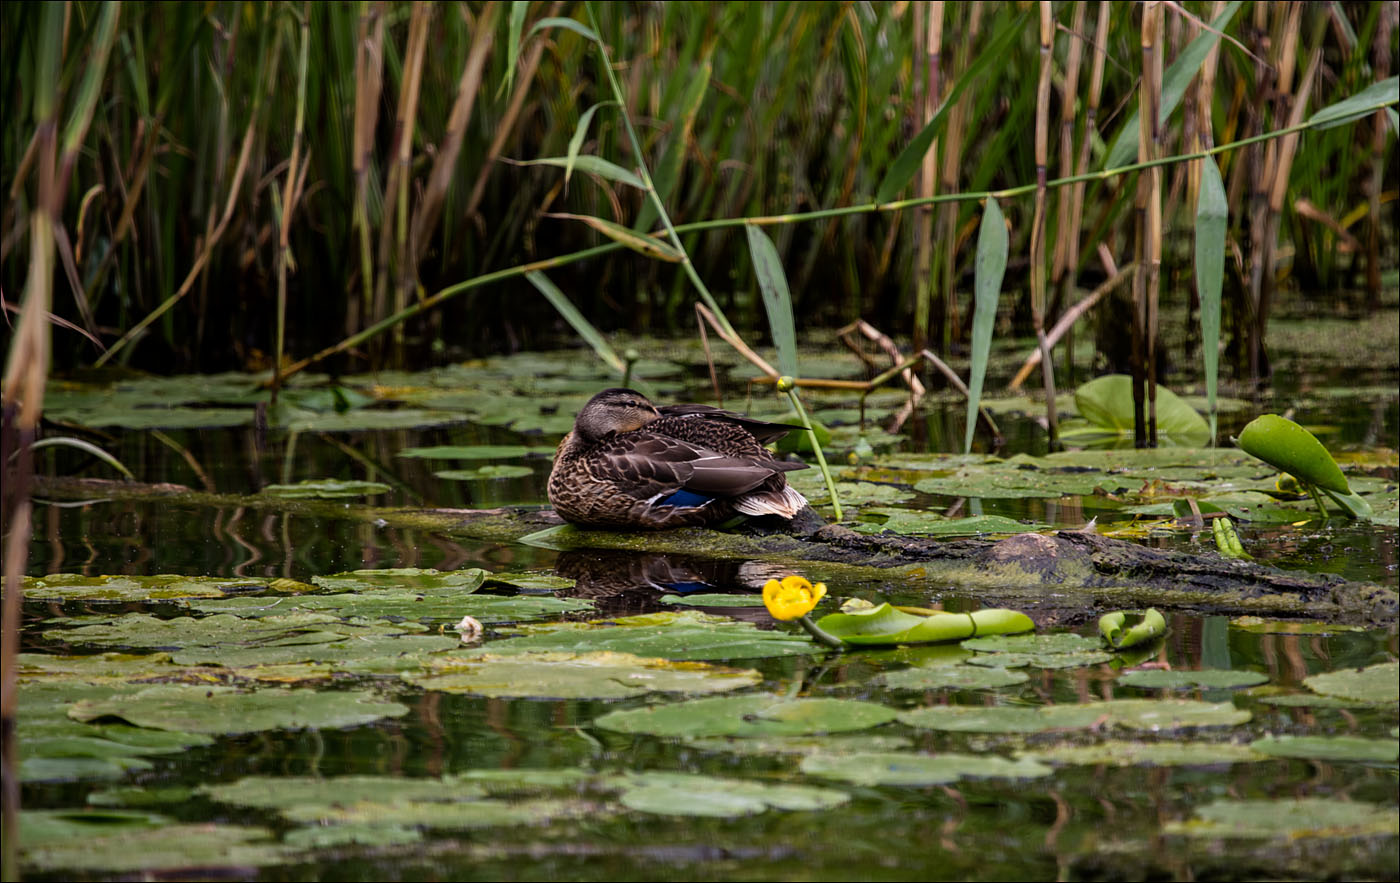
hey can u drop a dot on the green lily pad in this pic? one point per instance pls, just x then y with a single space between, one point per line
1289 818
1107 402
134 795
898 768
1123 753
886 624
222 710
712 599
368 420
1311 700
284 792
759 745
1256 625
464 815
76 587
683 635
531 582
485 473
956 677
1330 748
751 715
1059 643
473 452
1009 482
1211 679
428 605
1376 683
1075 659
1137 714
351 835
326 488
464 581
682 794
101 847
601 675
154 418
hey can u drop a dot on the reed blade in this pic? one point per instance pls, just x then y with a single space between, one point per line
992 248
777 299
1212 221
585 329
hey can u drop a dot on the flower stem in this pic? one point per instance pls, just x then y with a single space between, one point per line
821 637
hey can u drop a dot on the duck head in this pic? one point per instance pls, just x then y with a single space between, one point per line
614 410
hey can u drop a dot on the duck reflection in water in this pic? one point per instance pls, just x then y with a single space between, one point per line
634 582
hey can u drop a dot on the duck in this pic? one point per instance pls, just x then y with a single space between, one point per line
629 464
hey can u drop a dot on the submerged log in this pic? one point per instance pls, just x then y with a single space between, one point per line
1067 575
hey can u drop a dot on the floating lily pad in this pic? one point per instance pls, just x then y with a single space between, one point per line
1013 483
464 581
485 473
1213 679
898 768
1376 683
683 635
94 668
1060 643
751 715
1288 818
957 677
602 675
1330 748
1107 402
1074 659
1137 714
285 792
99 845
531 582
221 710
682 794
1256 625
1310 700
134 795
407 604
1125 753
351 835
712 599
326 488
758 745
154 418
367 420
463 815
473 452
76 587
885 625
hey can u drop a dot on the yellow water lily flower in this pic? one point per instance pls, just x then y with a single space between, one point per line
792 598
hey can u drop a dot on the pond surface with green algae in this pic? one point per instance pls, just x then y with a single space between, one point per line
308 711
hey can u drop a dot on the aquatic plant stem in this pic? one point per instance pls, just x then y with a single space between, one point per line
821 637
789 386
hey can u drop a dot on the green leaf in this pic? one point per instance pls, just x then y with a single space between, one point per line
1138 714
602 675
1107 402
955 677
1174 82
1289 820
684 794
595 165
224 710
518 10
325 489
580 133
642 243
1367 101
1210 679
86 447
1285 445
1129 628
1376 683
1329 748
887 625
777 300
992 246
571 315
751 715
1123 753
919 770
685 635
668 170
473 452
1212 224
569 24
902 170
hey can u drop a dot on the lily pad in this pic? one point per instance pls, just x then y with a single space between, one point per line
802 745
682 794
473 452
351 835
1058 643
98 845
1075 659
1122 753
428 605
1289 818
1330 748
1376 683
160 587
683 635
485 473
1212 679
463 815
885 624
712 599
368 420
911 522
602 675
898 768
285 792
1005 481
751 715
326 488
464 581
1137 714
1258 626
956 677
223 710
1107 402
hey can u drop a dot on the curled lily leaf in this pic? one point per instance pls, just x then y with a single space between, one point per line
1227 540
1128 628
791 598
1285 445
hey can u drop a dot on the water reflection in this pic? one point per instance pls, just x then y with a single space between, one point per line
623 582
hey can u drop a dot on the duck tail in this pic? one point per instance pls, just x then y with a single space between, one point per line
786 502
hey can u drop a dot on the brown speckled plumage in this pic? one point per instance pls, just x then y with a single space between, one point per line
626 461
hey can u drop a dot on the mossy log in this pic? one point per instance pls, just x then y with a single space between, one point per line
1068 575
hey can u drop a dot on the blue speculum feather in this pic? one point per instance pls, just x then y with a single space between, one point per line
685 498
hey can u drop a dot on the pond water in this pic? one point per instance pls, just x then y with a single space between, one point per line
324 727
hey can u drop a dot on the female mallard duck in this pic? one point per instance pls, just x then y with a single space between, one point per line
628 463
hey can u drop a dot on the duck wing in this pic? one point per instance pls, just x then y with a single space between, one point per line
762 430
657 465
